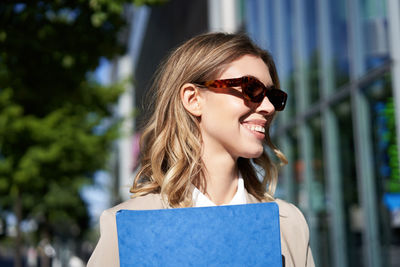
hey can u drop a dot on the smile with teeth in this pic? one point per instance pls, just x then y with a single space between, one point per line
256 128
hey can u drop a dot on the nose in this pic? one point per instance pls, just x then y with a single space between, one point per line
265 107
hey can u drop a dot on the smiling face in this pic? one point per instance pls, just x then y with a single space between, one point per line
231 124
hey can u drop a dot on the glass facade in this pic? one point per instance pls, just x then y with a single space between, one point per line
339 129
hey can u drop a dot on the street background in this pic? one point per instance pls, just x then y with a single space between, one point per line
73 81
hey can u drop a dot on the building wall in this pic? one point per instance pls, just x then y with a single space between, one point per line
152 32
168 26
339 128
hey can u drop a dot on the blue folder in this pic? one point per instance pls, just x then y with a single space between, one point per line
239 235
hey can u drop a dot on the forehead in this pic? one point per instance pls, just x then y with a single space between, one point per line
247 65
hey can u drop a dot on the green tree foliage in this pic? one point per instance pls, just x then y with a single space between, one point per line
56 123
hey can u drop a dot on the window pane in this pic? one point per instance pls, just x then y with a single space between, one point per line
311 48
353 212
340 41
375 30
320 196
299 183
387 182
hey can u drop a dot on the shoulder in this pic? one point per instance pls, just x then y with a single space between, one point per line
292 219
146 202
106 252
287 209
295 236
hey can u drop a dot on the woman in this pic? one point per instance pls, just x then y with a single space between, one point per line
204 145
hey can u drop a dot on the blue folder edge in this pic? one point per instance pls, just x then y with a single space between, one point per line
237 235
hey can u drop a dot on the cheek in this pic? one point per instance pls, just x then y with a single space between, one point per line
224 112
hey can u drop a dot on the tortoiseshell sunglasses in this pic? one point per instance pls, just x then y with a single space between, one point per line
252 90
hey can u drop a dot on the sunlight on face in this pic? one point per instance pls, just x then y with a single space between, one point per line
230 124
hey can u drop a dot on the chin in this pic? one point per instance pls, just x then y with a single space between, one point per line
252 154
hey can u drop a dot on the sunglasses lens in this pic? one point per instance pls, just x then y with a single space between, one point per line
277 98
254 91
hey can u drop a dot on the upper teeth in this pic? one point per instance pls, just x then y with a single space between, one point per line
257 128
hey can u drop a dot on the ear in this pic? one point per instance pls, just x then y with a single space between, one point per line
191 99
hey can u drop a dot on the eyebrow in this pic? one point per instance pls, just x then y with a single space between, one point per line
271 86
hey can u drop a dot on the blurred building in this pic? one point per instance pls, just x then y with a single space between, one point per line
339 61
152 33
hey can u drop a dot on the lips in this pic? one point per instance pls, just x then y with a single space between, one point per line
256 128
255 125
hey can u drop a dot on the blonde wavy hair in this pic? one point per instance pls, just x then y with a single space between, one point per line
171 143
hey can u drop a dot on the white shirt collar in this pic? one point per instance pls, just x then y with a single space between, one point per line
201 200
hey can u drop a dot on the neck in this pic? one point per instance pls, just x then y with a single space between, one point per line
221 177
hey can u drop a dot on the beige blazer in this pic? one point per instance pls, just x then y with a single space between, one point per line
294 232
